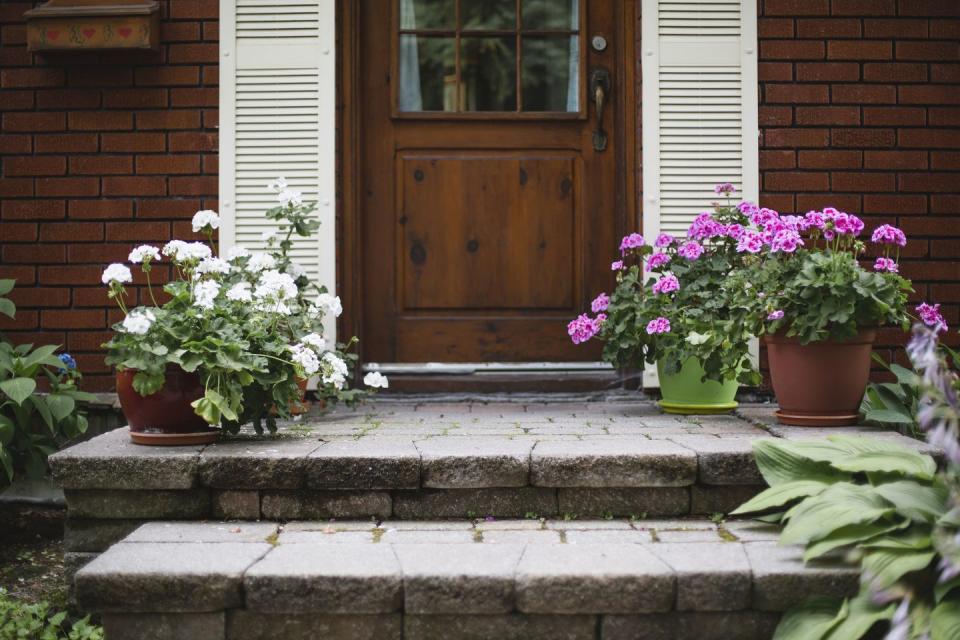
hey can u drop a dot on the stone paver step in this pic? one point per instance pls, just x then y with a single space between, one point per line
591 579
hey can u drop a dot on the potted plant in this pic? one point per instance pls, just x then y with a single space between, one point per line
804 288
668 307
235 339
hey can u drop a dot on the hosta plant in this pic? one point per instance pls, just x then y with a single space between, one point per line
34 424
882 506
249 323
671 300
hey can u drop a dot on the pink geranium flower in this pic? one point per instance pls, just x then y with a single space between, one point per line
632 241
690 250
886 264
725 188
887 234
930 315
657 260
664 240
616 266
658 325
583 327
600 303
775 315
666 284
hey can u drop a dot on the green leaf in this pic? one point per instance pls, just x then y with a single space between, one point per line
888 415
6 286
914 500
780 495
7 430
862 614
147 384
61 405
6 460
41 354
207 410
838 506
945 620
944 588
781 462
811 620
18 389
884 567
8 308
40 404
905 461
849 535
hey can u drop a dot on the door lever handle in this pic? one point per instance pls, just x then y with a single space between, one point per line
600 90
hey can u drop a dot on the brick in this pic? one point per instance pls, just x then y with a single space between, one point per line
99 254
945 29
100 76
71 232
773 71
946 116
211 33
178 119
863 7
796 7
861 181
791 50
928 50
894 72
773 138
32 77
33 254
929 94
93 296
211 164
828 28
895 159
945 160
945 249
134 186
193 186
945 73
830 159
35 166
894 115
168 76
775 116
193 9
864 94
101 121
23 320
929 138
894 28
168 208
944 204
15 144
32 209
168 164
138 231
72 319
66 143
196 97
19 231
34 121
930 8
828 115
93 209
16 100
827 71
927 182
797 93
101 165
68 187
138 98
894 204
863 137
859 50
136 142
39 296
796 181
183 141
24 275
16 187
180 31
777 160
193 53
774 28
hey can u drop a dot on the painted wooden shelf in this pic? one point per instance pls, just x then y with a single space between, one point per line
61 25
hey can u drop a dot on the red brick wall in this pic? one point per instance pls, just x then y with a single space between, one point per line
99 151
860 109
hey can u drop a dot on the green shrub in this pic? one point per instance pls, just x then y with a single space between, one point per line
22 621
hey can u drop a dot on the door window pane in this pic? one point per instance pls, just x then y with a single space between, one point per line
428 14
428 74
550 14
550 73
488 14
488 70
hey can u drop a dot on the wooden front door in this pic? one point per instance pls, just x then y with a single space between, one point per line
491 193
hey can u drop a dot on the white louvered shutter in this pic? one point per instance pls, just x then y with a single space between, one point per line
699 107
277 99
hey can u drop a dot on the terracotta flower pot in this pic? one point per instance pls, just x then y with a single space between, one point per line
820 384
164 417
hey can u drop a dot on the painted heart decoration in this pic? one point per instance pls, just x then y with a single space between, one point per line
53 34
88 33
125 32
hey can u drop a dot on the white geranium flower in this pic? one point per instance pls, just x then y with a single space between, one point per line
260 261
139 321
277 185
333 370
142 253
116 272
196 251
204 219
315 340
289 196
296 270
376 380
235 253
213 265
240 292
275 285
204 293
305 357
330 303
173 248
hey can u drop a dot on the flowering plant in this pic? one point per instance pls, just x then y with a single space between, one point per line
671 300
250 323
802 275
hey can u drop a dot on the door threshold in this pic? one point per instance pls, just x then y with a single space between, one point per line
470 368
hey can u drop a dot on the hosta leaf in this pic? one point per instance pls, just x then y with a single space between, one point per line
781 495
780 462
914 500
811 620
839 505
884 567
945 620
862 614
944 588
888 415
849 535
61 405
904 461
18 389
916 538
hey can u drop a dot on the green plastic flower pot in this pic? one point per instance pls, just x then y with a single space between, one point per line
685 394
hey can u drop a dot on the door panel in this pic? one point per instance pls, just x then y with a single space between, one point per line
488 216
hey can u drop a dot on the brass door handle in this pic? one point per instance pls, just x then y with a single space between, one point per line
599 87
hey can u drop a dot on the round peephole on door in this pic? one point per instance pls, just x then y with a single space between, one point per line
599 43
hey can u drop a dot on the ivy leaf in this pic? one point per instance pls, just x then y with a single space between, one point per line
18 389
